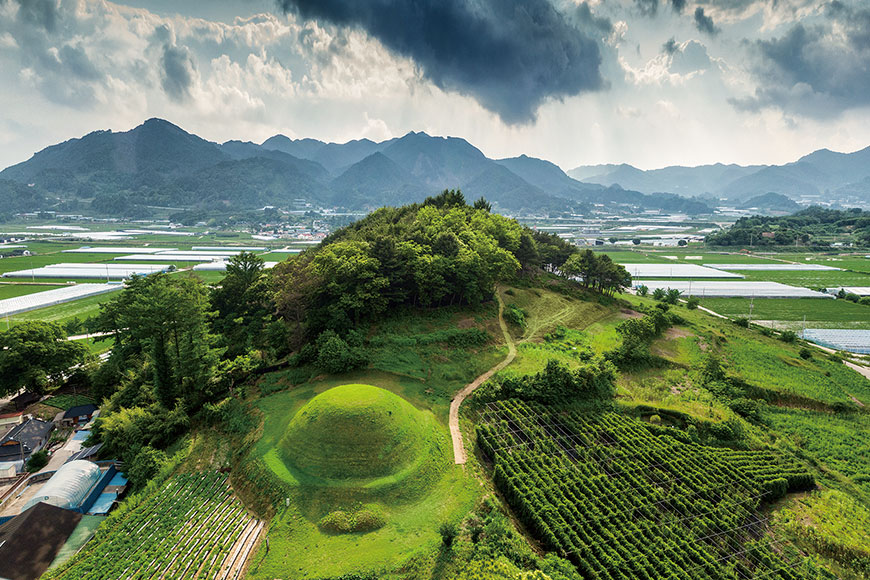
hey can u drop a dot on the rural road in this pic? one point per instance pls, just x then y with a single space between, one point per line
459 455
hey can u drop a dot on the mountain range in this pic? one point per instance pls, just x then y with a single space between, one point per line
822 176
159 165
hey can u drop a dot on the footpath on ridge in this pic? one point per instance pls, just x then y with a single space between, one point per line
459 455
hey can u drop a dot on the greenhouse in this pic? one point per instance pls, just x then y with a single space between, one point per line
45 298
69 486
181 256
772 267
675 271
116 250
738 289
100 271
230 248
221 266
856 341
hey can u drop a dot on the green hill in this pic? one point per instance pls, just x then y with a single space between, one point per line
354 432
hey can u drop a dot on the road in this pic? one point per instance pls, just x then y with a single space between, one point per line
459 455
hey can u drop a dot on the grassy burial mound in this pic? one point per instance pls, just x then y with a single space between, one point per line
355 434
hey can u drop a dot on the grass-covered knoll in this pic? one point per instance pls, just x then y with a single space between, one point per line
339 527
352 433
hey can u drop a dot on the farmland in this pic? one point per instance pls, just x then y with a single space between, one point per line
621 501
192 527
790 309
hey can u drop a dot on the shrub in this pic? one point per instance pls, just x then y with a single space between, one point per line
766 331
335 355
369 518
692 302
805 353
37 461
742 322
448 531
788 336
515 315
642 290
337 522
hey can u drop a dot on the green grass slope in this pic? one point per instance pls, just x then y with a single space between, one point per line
354 432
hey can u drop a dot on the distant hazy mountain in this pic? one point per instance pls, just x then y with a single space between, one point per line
159 164
836 176
775 203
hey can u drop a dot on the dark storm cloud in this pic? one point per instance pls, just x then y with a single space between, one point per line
704 23
39 12
178 70
816 70
510 55
651 7
670 47
647 7
588 20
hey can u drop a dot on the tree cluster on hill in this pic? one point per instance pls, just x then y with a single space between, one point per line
597 271
593 380
181 348
812 226
440 252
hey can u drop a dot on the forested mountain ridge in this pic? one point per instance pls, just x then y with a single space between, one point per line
814 225
159 164
841 176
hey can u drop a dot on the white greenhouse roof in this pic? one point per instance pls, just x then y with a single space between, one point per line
729 289
189 257
69 486
771 267
100 271
116 250
222 266
228 252
20 304
857 341
231 249
675 271
859 290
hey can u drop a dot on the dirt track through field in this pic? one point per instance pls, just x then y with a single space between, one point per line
459 455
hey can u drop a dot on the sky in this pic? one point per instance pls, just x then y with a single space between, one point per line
647 82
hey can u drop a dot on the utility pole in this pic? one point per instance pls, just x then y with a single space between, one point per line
751 304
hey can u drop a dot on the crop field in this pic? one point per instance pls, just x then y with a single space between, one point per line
812 279
858 262
623 500
658 257
838 440
65 402
790 309
192 528
768 363
63 313
15 290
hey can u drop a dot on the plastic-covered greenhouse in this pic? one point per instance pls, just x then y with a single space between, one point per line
69 486
857 341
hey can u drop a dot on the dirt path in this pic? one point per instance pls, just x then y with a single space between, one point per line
459 455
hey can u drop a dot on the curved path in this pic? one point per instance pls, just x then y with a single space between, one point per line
459 455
